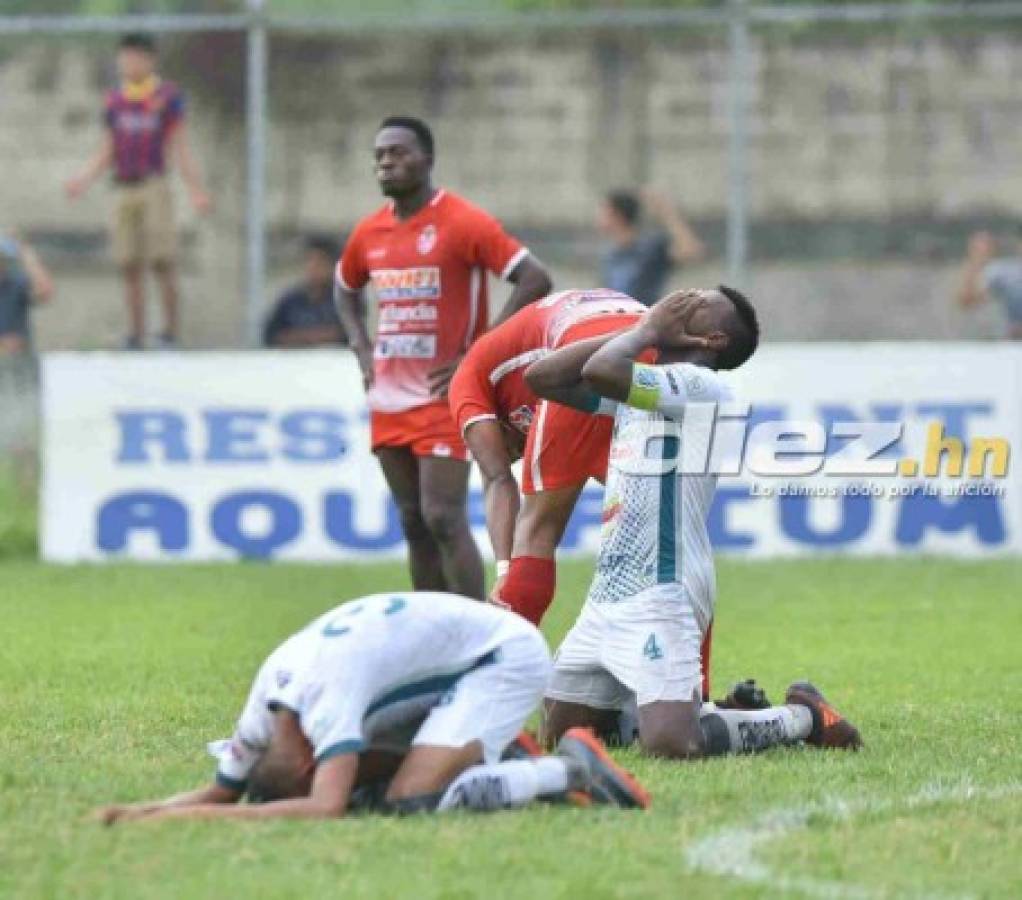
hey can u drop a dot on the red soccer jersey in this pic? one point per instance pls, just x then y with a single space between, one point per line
429 276
490 382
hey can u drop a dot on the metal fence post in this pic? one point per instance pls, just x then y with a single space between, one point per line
255 193
737 172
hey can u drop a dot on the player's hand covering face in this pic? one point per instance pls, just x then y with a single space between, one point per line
670 320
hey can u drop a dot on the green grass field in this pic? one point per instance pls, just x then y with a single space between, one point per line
112 679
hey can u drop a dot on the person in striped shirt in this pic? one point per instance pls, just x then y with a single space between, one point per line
144 120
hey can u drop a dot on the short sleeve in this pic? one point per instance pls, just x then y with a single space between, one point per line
493 248
331 717
472 397
175 111
237 757
668 389
351 273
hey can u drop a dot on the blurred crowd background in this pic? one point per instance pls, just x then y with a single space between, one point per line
876 159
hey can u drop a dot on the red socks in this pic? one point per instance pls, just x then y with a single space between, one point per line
529 588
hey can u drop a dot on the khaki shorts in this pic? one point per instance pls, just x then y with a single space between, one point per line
143 226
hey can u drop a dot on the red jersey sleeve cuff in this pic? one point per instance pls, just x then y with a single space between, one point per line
512 263
339 278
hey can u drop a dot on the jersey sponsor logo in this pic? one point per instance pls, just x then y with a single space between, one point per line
393 316
427 240
406 346
419 283
672 382
283 678
136 122
376 253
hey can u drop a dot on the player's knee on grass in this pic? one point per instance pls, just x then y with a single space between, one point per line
559 717
671 731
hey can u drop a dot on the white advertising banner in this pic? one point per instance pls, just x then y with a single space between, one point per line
219 456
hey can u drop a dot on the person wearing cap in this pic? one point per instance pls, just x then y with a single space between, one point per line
145 130
24 281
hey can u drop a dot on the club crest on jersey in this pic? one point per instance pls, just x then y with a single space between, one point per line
427 239
283 678
521 418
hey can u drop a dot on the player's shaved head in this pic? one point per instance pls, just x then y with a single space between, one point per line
742 327
285 770
420 129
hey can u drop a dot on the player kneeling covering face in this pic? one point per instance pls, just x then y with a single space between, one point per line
412 700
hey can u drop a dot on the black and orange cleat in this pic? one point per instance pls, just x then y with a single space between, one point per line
831 730
524 746
608 782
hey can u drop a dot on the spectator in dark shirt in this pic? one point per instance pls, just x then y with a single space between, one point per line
305 315
23 281
989 276
638 262
145 131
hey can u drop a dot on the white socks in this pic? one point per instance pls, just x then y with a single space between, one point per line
506 784
749 731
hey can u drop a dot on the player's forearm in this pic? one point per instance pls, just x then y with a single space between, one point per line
560 372
685 244
608 371
531 282
301 808
349 310
502 505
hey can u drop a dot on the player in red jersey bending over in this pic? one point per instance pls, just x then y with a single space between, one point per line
427 253
563 448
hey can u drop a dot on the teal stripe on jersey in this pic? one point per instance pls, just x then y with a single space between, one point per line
667 536
435 684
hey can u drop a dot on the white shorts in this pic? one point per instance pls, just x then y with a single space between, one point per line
491 703
646 647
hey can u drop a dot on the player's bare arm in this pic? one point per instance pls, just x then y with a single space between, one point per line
487 441
558 377
328 799
351 311
531 282
609 370
210 794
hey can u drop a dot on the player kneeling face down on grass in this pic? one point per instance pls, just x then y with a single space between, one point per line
401 702
651 600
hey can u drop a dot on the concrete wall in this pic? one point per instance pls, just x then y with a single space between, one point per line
871 155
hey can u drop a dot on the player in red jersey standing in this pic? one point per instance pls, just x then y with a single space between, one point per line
426 253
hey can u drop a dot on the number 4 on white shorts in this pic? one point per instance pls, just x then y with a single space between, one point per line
651 649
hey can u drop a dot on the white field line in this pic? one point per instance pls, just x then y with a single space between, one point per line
732 851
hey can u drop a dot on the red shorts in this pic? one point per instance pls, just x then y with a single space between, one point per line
565 447
425 430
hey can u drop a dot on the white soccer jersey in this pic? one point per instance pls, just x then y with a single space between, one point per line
654 516
368 672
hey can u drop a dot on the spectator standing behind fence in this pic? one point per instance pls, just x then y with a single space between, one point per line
305 315
23 281
144 118
986 276
638 262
